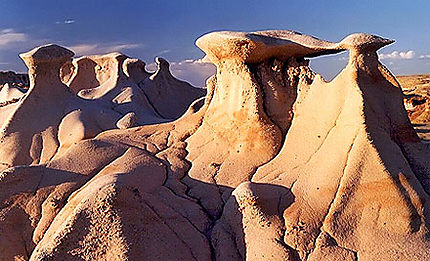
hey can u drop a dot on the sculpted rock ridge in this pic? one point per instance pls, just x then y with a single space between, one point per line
13 78
72 100
273 164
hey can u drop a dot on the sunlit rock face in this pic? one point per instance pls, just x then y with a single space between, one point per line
72 100
273 164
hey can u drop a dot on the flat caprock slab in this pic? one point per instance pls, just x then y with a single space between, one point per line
254 47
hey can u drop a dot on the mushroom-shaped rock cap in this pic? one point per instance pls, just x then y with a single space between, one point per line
361 41
282 44
47 53
258 46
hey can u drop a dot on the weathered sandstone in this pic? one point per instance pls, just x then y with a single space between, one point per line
273 164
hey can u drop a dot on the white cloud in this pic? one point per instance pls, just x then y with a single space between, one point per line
163 52
83 49
120 47
67 21
425 56
89 49
407 55
9 36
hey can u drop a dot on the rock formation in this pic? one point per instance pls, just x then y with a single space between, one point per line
274 164
19 79
416 90
9 93
52 116
166 93
9 96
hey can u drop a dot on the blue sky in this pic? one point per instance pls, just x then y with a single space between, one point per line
145 29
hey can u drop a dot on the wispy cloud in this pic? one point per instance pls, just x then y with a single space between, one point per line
200 62
9 36
120 47
67 21
406 55
88 49
83 49
163 52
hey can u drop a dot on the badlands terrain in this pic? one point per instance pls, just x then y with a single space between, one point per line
417 93
102 160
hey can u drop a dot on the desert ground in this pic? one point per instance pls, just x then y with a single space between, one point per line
417 92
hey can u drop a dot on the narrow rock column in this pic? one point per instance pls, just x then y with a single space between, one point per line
44 65
29 135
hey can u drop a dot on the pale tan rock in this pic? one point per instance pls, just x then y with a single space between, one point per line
347 171
9 96
274 164
9 93
170 96
52 116
135 69
129 120
45 91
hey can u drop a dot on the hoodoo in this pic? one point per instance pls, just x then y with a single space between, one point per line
274 163
69 101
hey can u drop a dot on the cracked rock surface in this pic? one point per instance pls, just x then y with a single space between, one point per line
273 164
